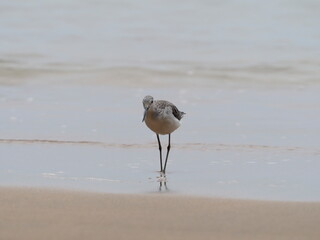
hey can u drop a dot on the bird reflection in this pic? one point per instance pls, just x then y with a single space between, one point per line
162 179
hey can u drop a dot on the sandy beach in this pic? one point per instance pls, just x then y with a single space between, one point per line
51 214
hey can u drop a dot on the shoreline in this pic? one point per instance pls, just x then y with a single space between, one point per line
35 213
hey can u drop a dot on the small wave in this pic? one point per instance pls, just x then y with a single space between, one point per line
184 146
170 74
47 141
61 176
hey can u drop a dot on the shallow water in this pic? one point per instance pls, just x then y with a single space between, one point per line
243 116
250 172
257 144
73 74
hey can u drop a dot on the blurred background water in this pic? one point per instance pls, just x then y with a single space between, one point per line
208 41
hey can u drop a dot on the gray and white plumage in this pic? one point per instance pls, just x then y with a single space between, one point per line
161 116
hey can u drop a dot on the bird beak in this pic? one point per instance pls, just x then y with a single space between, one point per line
144 115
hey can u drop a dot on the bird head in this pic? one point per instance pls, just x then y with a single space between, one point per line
147 101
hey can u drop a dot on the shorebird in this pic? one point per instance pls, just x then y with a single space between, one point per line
162 117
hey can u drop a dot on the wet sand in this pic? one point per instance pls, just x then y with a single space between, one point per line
30 213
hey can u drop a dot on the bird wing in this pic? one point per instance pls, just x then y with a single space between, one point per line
176 112
162 104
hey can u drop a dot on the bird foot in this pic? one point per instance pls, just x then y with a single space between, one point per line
162 178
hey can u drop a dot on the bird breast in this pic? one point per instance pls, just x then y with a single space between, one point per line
161 122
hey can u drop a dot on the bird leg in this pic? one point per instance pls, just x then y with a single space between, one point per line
168 150
160 148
